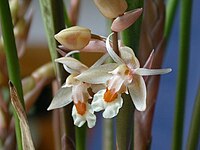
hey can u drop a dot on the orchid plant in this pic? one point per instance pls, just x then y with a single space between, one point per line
115 84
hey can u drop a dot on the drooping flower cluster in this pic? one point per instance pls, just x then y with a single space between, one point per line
107 81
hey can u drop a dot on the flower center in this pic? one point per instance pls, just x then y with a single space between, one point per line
81 108
109 95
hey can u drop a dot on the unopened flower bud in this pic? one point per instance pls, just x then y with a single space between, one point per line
111 8
20 29
123 22
74 38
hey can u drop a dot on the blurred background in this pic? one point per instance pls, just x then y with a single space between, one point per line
37 52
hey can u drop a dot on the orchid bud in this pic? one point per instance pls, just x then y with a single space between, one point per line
74 38
20 30
123 22
111 8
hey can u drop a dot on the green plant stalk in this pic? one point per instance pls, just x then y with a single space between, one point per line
131 36
81 137
125 124
125 121
53 18
193 137
186 8
12 59
108 140
170 14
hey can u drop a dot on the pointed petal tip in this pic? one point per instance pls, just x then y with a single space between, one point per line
123 22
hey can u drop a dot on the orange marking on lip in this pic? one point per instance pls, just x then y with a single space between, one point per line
109 96
81 108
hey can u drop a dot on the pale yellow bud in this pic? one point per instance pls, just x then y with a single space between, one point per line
74 38
20 29
111 8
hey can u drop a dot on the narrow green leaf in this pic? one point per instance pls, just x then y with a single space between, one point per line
11 58
194 133
171 8
185 22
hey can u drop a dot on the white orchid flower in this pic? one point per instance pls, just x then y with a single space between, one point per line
76 91
125 78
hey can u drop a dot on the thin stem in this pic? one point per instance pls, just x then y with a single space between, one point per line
115 42
108 140
186 8
125 125
194 132
12 59
170 15
81 137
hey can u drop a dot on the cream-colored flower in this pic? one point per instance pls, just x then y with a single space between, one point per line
125 78
76 91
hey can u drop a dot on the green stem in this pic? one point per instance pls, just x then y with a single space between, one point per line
125 121
125 125
81 137
108 140
170 14
131 36
12 59
194 132
186 8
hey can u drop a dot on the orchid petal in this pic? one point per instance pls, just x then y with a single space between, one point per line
111 52
78 119
71 53
97 75
112 109
61 99
147 72
98 102
129 57
137 90
93 46
90 117
72 64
